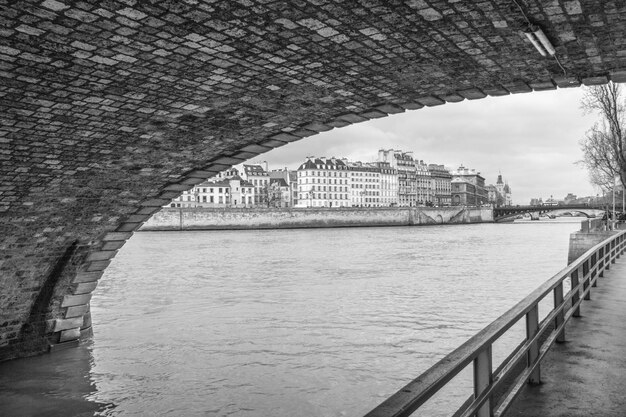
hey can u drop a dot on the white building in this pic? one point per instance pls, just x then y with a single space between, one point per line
259 177
323 182
364 184
404 164
388 185
216 192
423 184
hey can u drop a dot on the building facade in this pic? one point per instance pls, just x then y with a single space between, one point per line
259 177
468 188
323 182
441 185
423 184
388 184
364 184
404 164
218 192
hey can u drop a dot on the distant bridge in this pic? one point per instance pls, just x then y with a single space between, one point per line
507 213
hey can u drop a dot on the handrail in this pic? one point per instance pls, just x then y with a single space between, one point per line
583 273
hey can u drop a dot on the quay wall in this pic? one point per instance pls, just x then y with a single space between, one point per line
591 233
285 218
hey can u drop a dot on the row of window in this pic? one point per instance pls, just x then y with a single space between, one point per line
322 174
324 181
323 188
322 196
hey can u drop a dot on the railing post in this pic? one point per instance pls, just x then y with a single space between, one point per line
594 269
613 249
560 317
483 377
576 294
601 262
586 279
532 326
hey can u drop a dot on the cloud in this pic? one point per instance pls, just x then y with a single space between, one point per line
532 139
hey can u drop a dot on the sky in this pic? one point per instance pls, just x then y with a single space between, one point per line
532 139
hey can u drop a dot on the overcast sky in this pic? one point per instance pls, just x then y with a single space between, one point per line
532 139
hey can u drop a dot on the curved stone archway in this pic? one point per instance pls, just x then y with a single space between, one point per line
111 108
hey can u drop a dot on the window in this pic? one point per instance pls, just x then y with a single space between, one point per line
211 199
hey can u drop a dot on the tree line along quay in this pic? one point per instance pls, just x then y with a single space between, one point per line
395 179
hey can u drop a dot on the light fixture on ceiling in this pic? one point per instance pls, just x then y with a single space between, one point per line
540 41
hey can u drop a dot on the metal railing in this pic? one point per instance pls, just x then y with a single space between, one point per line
493 391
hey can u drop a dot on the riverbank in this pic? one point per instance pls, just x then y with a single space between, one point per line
288 218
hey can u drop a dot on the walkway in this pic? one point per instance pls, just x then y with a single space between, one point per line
586 375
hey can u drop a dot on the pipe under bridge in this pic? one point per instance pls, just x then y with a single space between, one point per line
508 213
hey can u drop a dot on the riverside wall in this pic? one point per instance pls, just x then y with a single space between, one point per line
260 218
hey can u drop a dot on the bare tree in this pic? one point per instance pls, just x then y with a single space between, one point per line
604 146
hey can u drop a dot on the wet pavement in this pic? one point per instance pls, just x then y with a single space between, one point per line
586 375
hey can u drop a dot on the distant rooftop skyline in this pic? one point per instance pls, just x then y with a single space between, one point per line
531 139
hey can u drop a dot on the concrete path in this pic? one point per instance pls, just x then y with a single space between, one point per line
586 375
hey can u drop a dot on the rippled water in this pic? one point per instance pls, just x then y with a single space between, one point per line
324 322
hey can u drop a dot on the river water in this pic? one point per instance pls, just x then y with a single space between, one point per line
322 322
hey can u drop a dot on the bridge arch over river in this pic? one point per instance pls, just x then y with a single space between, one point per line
503 214
112 108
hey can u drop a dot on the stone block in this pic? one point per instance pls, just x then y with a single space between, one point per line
542 85
373 114
304 133
566 82
154 202
273 143
85 287
180 187
97 266
190 182
338 123
431 101
86 320
389 108
472 93
84 276
77 311
618 76
75 300
317 127
496 91
101 255
227 160
71 323
245 155
352 118
255 149
56 347
130 227
198 173
452 98
411 105
117 236
285 137
601 80
69 335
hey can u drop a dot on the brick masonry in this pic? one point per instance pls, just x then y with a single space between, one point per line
110 108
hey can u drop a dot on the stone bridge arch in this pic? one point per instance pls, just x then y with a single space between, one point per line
111 108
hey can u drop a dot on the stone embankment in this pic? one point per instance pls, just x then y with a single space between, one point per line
257 218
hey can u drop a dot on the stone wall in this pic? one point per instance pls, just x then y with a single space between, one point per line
214 219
